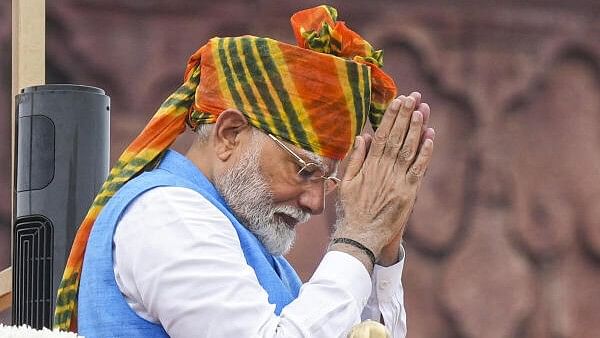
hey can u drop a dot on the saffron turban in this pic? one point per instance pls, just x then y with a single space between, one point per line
317 95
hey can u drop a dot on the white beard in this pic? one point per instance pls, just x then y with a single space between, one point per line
248 195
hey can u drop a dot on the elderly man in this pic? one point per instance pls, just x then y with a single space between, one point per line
197 240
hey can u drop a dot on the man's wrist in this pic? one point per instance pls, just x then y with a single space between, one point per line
391 257
358 245
355 252
370 239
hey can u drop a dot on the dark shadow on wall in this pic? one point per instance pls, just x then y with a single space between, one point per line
5 144
5 240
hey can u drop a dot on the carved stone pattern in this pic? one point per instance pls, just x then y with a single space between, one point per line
505 237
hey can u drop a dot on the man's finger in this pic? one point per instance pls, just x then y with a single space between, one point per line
383 132
407 153
426 111
428 134
357 158
417 97
417 170
401 125
368 139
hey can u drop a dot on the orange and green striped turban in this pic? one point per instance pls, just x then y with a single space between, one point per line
317 96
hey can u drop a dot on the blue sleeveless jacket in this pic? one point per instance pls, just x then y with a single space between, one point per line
102 309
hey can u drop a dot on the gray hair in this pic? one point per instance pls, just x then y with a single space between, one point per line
203 131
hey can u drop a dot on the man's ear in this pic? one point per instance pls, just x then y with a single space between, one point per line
226 132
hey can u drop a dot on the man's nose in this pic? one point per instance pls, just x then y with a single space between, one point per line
313 198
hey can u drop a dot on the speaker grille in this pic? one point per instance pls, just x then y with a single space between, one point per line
32 272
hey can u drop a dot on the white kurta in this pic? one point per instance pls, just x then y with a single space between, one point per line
178 261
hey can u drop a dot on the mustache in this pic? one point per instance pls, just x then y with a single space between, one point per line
298 214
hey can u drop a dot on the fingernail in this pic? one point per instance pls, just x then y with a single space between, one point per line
409 102
396 104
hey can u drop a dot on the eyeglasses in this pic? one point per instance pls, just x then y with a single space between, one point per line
309 172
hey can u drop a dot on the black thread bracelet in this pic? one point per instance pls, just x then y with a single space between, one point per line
356 244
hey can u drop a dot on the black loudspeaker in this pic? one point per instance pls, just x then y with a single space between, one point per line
62 161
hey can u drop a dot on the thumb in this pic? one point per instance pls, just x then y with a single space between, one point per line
357 157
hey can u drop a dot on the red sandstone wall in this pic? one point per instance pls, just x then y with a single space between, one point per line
505 238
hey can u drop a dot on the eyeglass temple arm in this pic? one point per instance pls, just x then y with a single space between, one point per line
298 158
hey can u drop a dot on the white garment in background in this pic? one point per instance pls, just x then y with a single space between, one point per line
178 261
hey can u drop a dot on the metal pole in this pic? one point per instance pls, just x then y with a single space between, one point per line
28 68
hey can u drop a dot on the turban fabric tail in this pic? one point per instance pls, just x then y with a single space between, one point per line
317 96
161 131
